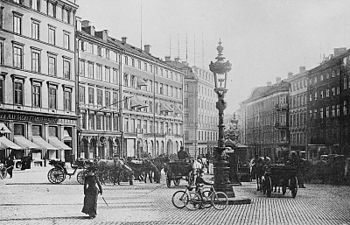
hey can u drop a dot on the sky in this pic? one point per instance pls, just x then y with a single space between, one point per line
263 39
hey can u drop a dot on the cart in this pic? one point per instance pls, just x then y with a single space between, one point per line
280 176
178 170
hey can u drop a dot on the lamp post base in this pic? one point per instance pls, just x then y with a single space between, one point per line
222 174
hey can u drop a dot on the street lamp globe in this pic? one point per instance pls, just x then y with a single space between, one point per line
220 68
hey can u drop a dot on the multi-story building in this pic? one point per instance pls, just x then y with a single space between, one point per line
99 63
37 82
144 115
298 110
199 111
266 127
328 99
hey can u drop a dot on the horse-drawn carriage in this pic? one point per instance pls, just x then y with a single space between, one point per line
277 176
58 174
114 171
177 170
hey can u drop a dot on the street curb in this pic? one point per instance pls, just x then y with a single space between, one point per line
239 201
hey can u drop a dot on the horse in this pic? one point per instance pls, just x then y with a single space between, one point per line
116 171
144 168
257 170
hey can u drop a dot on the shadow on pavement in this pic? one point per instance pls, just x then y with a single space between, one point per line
47 218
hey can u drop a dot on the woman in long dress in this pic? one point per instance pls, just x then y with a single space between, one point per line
92 188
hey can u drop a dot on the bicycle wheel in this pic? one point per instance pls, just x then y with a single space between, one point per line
81 177
219 200
207 195
180 199
194 201
56 176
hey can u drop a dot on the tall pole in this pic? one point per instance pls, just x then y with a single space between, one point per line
220 68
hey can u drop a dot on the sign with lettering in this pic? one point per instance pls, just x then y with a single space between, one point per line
28 118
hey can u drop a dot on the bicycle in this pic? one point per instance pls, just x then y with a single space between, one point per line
193 200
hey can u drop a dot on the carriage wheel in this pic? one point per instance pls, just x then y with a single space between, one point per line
177 182
179 199
168 182
194 201
56 176
81 177
268 186
294 186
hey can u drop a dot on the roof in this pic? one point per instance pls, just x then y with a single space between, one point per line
264 91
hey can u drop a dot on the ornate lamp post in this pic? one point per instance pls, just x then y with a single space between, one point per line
220 68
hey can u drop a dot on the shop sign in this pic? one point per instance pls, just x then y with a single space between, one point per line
29 118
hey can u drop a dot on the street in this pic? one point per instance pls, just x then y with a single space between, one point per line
28 198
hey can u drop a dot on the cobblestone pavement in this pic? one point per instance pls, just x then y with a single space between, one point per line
29 198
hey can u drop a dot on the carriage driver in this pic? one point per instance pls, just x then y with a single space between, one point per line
182 154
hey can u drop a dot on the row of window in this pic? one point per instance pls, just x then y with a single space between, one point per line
329 111
325 93
36 60
37 97
207 135
298 100
127 60
98 72
146 126
300 84
297 119
64 13
298 138
36 31
325 75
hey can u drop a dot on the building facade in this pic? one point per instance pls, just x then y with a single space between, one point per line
298 110
266 128
37 82
328 99
199 120
132 103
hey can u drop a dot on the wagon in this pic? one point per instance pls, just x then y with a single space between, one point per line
280 176
177 170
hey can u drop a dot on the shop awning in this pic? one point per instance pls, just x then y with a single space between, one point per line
66 136
166 107
43 144
137 102
24 142
4 129
58 144
141 82
6 143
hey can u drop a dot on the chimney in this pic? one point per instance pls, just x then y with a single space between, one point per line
102 34
147 49
177 59
269 83
85 23
339 51
302 69
124 40
290 74
167 58
278 80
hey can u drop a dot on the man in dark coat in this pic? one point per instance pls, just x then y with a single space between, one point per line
182 154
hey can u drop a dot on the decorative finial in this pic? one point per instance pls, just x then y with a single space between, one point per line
220 48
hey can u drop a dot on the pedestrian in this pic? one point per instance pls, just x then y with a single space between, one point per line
92 188
9 165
